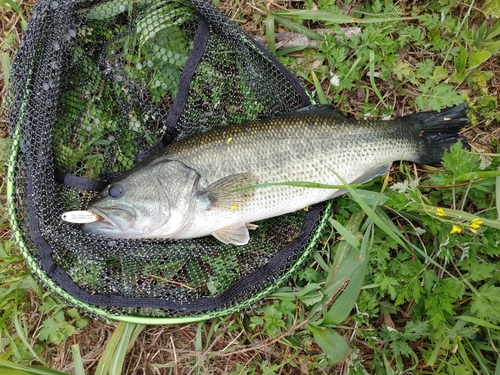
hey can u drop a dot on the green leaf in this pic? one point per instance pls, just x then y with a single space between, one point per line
387 283
270 37
417 282
478 58
6 371
437 96
425 69
492 8
434 355
458 161
7 368
298 28
112 359
400 348
273 320
345 302
309 274
434 35
77 359
319 90
414 331
439 74
495 29
486 302
460 76
12 4
334 17
479 322
256 321
497 193
55 329
309 294
345 233
6 66
479 271
461 60
440 303
330 342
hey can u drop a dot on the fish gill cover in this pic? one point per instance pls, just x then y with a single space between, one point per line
100 85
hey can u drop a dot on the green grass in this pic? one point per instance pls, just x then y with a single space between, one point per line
407 277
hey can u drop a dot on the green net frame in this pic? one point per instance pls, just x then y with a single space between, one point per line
99 85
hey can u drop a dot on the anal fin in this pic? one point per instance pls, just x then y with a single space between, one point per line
372 173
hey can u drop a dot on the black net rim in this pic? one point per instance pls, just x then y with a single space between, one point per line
318 215
57 281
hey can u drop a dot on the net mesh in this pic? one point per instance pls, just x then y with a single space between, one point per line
97 87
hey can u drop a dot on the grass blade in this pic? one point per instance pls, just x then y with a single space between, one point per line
497 195
6 66
457 327
334 17
107 355
319 90
462 215
477 321
345 233
113 356
344 303
330 342
12 4
294 26
372 78
77 359
9 368
270 37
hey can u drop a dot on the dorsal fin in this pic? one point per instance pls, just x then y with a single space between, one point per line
320 109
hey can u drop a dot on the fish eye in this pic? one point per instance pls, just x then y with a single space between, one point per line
116 191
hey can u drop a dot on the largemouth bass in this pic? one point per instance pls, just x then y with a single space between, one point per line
194 187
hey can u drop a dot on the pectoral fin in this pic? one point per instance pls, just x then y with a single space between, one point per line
225 192
236 234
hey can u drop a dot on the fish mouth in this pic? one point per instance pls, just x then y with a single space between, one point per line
115 222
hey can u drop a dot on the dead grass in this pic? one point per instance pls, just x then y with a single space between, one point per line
11 33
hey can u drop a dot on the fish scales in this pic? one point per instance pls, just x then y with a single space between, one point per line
306 148
279 149
198 180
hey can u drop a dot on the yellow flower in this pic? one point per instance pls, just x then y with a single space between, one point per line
456 229
476 223
440 212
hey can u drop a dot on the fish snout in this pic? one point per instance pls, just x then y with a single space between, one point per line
113 222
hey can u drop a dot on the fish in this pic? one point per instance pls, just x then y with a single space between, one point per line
221 182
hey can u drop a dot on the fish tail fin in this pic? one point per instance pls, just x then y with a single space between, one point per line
438 131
